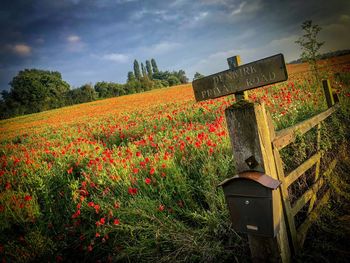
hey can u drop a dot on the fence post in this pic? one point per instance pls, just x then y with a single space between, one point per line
331 97
250 135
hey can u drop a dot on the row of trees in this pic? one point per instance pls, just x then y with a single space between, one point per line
149 76
34 90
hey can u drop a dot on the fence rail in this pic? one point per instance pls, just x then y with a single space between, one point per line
288 135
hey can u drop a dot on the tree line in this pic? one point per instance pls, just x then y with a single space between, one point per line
34 90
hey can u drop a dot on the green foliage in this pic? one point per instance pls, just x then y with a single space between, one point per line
197 75
137 72
309 44
143 69
173 80
109 89
131 76
149 68
34 90
149 80
154 66
85 93
181 75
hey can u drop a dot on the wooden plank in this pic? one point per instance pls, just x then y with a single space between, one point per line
245 77
318 165
302 201
330 168
304 227
290 223
295 174
288 135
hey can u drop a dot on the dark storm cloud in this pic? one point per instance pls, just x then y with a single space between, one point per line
92 40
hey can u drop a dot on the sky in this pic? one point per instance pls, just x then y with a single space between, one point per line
97 40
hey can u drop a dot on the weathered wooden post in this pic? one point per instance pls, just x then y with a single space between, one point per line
331 96
251 134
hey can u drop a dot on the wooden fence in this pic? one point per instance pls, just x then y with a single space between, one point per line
253 136
280 140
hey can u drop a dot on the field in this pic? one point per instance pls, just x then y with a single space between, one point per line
135 178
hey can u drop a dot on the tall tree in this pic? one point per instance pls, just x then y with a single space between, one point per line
137 69
131 76
149 68
310 45
144 74
154 66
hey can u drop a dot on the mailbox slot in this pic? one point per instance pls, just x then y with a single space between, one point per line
252 206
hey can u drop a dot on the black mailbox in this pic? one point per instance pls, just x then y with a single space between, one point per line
253 203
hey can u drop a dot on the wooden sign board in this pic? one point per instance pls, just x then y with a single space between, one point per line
248 76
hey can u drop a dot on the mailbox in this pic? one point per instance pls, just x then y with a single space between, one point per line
253 203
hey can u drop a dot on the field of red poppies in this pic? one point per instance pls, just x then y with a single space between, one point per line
132 178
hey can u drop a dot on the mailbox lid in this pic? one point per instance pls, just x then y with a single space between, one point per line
250 183
258 177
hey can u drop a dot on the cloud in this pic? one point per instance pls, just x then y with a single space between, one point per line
217 61
156 14
163 47
236 7
116 57
21 49
285 45
74 43
239 9
73 39
336 35
201 16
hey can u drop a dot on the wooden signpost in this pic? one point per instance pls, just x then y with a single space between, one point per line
240 78
251 133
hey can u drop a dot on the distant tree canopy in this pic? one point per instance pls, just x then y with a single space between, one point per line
110 89
197 75
34 90
156 78
85 93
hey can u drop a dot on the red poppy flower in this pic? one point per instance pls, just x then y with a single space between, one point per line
70 170
27 198
90 248
132 191
116 222
147 180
